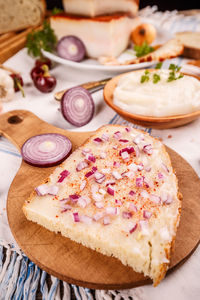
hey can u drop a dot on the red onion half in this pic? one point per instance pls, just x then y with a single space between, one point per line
72 48
77 106
46 150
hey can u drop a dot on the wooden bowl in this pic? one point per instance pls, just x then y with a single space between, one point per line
147 121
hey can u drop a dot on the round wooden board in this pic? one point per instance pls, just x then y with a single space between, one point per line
66 259
147 121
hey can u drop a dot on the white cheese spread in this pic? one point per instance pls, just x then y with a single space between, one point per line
159 99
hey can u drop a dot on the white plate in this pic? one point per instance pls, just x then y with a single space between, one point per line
93 64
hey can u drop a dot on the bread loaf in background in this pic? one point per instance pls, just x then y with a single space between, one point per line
20 14
92 8
191 42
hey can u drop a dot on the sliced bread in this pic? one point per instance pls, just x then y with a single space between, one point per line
16 15
116 194
191 42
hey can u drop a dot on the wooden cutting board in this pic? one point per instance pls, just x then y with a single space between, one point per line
68 260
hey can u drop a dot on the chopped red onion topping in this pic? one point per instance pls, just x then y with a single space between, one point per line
127 214
111 210
115 147
160 175
148 169
147 182
132 207
85 219
110 191
165 168
166 198
103 155
155 198
139 138
125 155
66 208
90 173
133 167
45 189
99 177
97 196
90 157
98 216
117 135
94 169
82 202
148 149
119 202
63 175
129 174
137 151
106 220
139 181
97 140
85 151
129 150
110 182
140 167
144 194
132 193
123 141
128 129
76 217
147 214
74 198
116 175
99 204
105 137
133 228
83 185
116 164
82 165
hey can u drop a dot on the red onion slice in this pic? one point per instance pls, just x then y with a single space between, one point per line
77 106
71 48
123 141
132 193
97 140
128 129
90 157
63 175
83 185
46 150
105 137
139 181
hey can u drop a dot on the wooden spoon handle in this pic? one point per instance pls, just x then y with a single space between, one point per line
88 86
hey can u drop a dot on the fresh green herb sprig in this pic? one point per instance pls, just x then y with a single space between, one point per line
173 74
159 65
156 78
56 11
42 39
143 49
145 77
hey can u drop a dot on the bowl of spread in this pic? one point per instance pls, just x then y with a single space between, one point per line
155 98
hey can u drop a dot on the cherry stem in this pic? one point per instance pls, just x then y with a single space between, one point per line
20 87
45 68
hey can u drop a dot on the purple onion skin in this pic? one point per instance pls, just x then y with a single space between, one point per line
70 40
68 99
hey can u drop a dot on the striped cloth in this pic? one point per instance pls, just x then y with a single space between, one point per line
22 279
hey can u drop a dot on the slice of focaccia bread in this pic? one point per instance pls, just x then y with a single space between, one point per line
116 194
